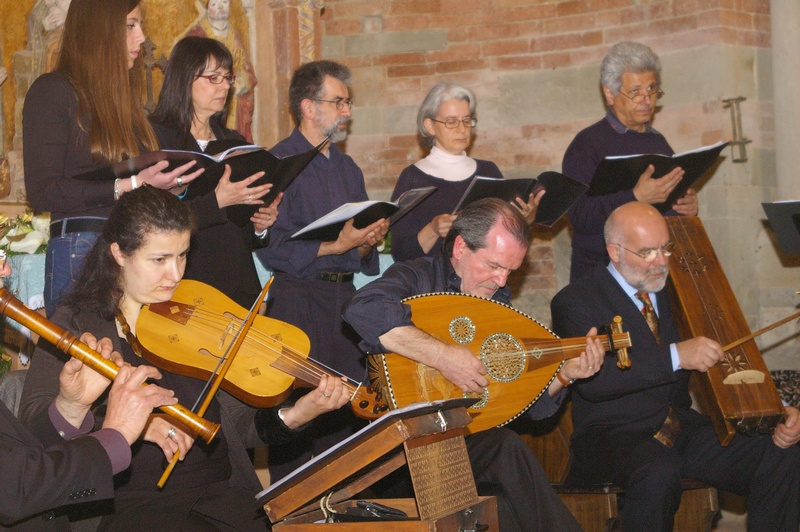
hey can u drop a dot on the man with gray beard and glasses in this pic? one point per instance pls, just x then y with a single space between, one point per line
313 279
636 427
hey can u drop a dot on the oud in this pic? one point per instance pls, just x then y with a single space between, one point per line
522 357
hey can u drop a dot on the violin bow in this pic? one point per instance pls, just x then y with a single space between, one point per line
761 331
219 376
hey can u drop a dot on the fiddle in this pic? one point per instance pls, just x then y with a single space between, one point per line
190 333
70 344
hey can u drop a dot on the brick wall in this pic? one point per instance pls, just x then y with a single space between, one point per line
533 66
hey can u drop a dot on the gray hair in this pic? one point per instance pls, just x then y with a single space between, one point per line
624 57
440 93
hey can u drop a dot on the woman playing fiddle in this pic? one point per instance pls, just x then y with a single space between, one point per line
139 258
445 121
192 108
84 116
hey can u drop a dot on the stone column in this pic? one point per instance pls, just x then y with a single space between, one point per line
785 20
287 35
778 272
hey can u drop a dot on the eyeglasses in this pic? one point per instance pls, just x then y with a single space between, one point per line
649 255
452 123
653 92
216 79
339 102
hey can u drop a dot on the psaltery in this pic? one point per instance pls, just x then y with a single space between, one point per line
737 392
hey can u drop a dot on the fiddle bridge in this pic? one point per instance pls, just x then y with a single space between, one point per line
228 332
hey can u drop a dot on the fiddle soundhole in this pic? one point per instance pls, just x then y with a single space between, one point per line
462 330
503 357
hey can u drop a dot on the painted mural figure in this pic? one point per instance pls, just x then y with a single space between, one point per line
216 24
45 27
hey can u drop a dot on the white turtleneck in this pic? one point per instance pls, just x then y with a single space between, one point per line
447 166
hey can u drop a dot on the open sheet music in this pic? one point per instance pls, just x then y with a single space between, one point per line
622 172
364 213
560 193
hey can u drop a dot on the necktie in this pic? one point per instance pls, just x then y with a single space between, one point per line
649 313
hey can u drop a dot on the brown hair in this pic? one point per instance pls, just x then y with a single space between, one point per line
94 58
135 217
476 220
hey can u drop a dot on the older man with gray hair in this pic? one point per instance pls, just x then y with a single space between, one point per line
630 75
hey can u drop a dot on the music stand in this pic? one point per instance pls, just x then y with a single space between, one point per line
784 216
429 437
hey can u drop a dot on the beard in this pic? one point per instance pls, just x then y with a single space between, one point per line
334 132
651 279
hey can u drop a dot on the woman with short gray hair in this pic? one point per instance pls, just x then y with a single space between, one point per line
445 121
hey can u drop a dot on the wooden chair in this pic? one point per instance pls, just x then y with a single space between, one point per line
595 507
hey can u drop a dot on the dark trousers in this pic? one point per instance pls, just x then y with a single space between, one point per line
651 474
506 468
503 467
316 308
214 507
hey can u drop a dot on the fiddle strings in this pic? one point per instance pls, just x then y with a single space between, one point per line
224 357
287 358
297 365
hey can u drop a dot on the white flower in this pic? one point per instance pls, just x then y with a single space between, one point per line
29 244
41 223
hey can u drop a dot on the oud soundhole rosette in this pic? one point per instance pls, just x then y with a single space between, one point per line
503 357
462 330
484 398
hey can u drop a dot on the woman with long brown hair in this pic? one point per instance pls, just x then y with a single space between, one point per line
86 115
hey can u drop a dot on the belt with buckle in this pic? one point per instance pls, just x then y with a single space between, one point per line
669 431
76 225
334 277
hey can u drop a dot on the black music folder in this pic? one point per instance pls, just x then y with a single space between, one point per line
560 193
244 160
622 172
364 213
784 216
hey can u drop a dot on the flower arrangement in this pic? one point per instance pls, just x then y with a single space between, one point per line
25 233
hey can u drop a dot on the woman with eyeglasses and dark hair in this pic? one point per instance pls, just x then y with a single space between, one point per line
192 108
445 122
84 116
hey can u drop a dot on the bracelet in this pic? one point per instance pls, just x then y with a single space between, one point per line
117 192
133 182
564 381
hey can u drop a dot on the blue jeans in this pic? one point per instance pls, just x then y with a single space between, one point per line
62 265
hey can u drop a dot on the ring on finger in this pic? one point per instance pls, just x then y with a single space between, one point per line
180 181
248 198
325 394
171 433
